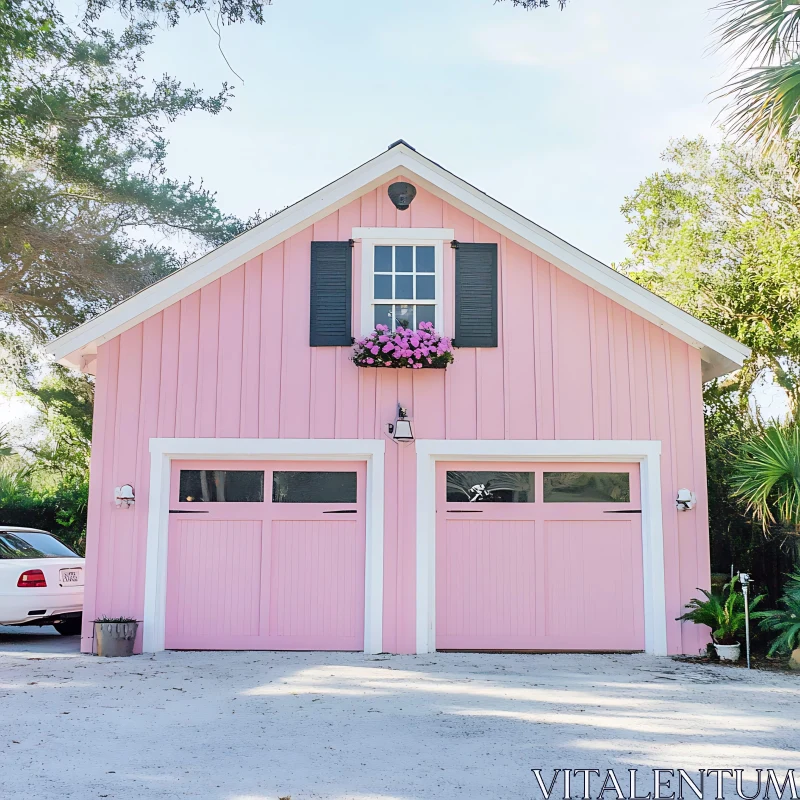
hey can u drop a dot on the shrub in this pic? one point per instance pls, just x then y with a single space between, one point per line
784 620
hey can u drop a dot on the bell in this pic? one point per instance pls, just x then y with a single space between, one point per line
401 194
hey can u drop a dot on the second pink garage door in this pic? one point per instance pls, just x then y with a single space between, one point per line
266 556
538 557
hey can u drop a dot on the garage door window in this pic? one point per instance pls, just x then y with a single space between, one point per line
587 487
221 486
314 487
490 487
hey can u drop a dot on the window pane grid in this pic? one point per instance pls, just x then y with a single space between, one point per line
404 288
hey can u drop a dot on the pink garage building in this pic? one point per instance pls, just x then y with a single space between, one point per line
535 507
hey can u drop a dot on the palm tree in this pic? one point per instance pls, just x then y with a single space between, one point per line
764 95
766 475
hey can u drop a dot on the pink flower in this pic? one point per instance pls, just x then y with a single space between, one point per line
414 341
370 361
430 361
418 353
425 351
417 366
397 353
387 347
383 338
374 350
381 327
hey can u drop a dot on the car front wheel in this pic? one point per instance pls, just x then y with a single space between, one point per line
69 627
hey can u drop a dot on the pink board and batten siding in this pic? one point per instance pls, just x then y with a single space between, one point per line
232 360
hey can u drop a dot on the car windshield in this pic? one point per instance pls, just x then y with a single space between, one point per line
26 544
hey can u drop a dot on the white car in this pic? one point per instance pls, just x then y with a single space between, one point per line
41 581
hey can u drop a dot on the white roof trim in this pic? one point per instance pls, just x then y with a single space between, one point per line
720 353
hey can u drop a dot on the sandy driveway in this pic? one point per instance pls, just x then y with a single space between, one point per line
266 725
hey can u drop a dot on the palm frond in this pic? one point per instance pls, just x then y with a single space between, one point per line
760 30
764 98
765 103
767 475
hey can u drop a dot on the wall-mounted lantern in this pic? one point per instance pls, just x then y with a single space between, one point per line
401 429
123 496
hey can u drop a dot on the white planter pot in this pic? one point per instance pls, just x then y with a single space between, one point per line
728 652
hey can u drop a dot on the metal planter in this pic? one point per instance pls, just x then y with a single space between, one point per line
114 639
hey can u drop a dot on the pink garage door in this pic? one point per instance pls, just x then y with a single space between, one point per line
266 556
538 557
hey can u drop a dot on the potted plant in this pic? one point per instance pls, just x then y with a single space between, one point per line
423 348
114 636
723 612
785 622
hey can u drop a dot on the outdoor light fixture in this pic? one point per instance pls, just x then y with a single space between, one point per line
123 495
401 429
401 194
686 500
746 580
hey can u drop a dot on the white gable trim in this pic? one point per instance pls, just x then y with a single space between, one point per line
720 353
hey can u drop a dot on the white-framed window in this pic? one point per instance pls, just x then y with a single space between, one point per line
401 282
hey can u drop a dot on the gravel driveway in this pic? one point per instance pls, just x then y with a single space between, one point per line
247 726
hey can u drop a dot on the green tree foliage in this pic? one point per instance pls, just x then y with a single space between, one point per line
718 233
44 481
82 175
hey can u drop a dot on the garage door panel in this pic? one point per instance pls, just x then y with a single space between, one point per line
539 557
593 588
488 590
200 554
266 555
316 584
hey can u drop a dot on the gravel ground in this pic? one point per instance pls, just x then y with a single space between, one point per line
251 726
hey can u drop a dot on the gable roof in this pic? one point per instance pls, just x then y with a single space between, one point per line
720 353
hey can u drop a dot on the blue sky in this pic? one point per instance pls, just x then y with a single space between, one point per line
557 114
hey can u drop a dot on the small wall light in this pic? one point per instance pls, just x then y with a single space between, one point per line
401 194
401 430
686 500
123 495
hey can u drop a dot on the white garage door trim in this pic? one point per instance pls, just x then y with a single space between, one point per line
164 451
646 453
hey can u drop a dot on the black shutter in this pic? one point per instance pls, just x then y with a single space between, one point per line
476 295
331 295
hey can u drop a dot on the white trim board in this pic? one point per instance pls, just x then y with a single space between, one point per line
399 234
164 451
646 453
720 353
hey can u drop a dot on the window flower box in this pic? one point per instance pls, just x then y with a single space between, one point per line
423 348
